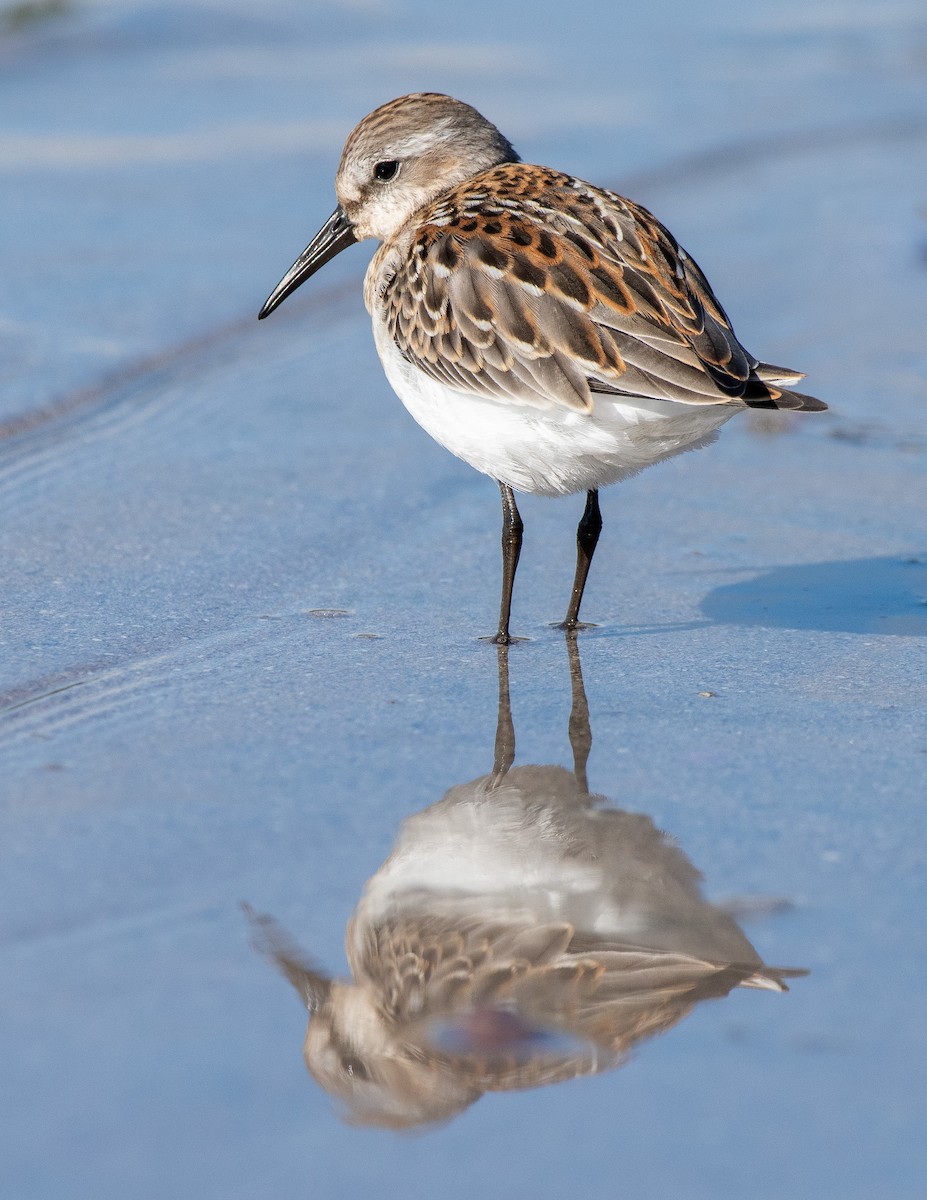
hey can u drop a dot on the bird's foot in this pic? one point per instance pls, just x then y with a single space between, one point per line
503 638
573 626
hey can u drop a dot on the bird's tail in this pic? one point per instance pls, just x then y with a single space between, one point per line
766 391
772 979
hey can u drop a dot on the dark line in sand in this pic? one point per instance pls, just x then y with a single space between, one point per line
749 151
137 371
36 697
724 158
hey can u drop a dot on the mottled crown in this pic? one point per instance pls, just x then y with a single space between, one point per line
433 141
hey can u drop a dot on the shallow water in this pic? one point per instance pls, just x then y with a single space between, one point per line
242 594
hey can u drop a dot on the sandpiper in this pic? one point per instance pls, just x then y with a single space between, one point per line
551 333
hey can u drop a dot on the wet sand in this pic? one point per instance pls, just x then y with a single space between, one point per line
242 595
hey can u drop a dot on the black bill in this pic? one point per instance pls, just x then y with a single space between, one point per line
335 235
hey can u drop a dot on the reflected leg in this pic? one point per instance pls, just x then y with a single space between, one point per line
580 730
504 752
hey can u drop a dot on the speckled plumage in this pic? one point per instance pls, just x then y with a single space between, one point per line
532 287
552 334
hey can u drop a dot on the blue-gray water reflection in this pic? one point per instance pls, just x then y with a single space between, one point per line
521 933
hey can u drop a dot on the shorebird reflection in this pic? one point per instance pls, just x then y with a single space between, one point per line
521 933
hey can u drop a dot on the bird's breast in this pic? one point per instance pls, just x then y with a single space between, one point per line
547 451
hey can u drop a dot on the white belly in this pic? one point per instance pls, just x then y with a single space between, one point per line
549 451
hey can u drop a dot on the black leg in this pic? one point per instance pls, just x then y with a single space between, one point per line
512 529
587 535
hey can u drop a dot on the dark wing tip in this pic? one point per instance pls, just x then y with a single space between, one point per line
784 400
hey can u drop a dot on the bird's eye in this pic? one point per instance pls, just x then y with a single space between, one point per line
386 170
355 1068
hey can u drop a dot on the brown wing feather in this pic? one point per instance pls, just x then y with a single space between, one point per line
528 285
